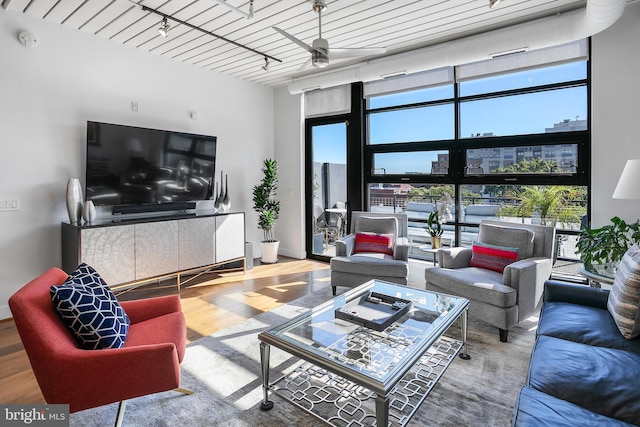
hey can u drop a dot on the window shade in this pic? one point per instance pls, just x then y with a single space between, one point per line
421 80
327 102
578 50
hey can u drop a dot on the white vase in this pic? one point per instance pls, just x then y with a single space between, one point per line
269 252
226 201
89 212
74 200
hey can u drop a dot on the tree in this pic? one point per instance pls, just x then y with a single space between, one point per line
436 192
551 203
532 166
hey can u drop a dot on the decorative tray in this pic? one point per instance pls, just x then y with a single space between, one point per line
374 311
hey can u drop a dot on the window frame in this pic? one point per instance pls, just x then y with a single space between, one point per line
458 147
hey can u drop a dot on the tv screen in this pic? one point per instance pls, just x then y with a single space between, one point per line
129 165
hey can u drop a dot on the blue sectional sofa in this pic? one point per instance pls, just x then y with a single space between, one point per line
583 372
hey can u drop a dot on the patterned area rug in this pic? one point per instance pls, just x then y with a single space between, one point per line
223 370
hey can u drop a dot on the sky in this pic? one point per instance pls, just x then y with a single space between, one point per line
514 115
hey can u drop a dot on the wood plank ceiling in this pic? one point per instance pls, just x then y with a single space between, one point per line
397 25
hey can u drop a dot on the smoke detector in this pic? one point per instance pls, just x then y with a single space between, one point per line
28 39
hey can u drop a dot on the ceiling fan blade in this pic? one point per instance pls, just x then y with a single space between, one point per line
306 65
295 40
341 53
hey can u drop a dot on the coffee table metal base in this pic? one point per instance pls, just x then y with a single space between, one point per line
336 401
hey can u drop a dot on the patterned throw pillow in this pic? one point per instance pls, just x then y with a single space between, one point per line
372 242
90 310
624 298
492 257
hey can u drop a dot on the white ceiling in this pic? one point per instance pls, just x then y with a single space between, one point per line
397 25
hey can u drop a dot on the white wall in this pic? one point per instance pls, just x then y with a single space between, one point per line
50 91
289 150
615 105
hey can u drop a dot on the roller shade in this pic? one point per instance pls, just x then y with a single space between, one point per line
420 80
327 102
504 62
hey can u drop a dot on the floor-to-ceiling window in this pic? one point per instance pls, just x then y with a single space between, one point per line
510 145
504 139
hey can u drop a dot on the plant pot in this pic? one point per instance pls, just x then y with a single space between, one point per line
436 242
269 251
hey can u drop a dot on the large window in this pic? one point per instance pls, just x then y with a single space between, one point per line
528 113
425 123
512 146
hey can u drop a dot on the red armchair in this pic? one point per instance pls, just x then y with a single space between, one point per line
148 363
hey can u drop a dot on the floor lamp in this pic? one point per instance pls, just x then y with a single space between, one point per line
629 183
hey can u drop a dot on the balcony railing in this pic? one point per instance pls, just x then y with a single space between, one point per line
382 200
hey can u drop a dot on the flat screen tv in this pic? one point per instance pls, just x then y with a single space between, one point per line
147 169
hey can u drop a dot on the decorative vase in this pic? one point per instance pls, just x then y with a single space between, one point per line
436 242
74 200
89 212
217 206
221 192
226 201
209 194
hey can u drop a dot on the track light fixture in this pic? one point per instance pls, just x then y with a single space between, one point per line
266 64
164 27
493 3
235 9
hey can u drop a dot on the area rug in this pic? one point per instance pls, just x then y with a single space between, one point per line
223 370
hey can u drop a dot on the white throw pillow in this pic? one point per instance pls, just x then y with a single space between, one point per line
624 298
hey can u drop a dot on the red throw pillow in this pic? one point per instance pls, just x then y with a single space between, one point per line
492 257
372 242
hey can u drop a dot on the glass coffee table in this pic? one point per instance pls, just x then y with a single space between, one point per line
352 373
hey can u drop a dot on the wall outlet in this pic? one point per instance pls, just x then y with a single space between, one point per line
9 205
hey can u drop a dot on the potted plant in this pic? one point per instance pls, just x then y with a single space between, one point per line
434 228
601 249
268 210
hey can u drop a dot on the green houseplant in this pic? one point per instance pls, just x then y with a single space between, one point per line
268 209
434 228
601 249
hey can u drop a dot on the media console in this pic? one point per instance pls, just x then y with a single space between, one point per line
127 253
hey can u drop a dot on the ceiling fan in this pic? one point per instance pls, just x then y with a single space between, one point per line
319 49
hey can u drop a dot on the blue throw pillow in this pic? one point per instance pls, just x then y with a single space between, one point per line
90 310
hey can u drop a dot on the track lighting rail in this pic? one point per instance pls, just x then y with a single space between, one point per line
179 21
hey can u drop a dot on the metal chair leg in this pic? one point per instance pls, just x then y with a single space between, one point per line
120 416
183 390
123 404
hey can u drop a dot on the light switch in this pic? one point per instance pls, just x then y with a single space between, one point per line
9 205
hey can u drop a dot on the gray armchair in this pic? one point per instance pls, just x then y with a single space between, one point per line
350 268
503 299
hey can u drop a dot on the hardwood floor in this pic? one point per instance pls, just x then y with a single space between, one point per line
210 303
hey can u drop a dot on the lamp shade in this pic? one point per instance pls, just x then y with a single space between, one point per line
629 183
